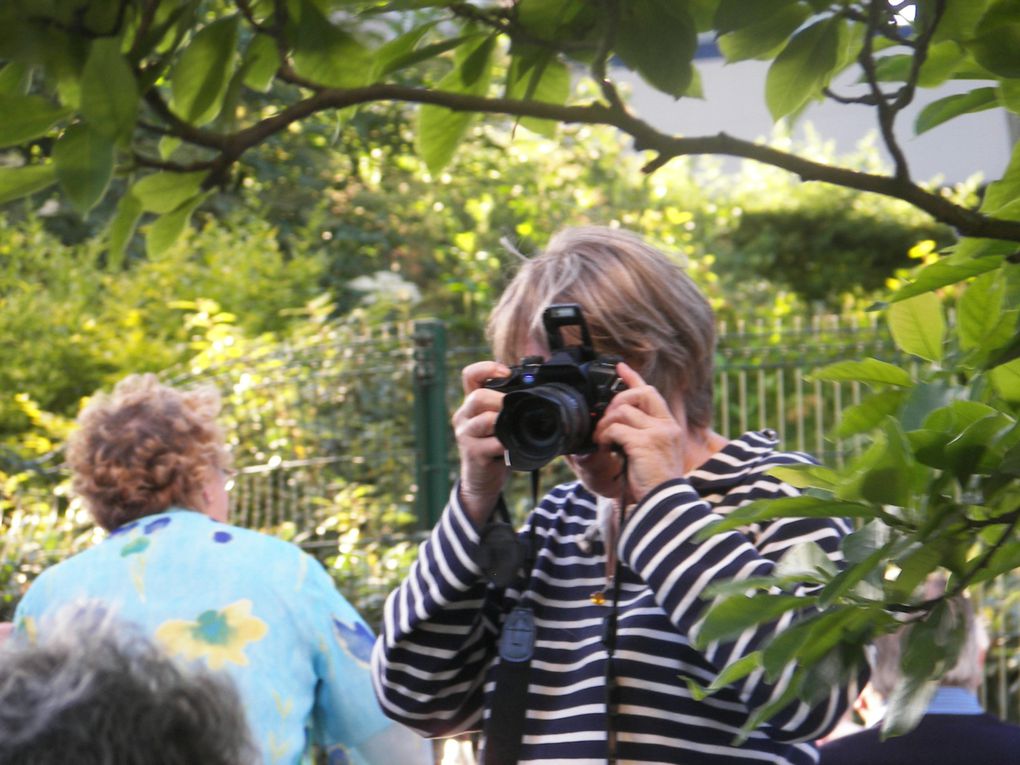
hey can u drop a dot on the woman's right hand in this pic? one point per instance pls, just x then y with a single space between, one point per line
483 471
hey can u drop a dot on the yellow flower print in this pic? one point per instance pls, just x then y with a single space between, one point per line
30 628
216 636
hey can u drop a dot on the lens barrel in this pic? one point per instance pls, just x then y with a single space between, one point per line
539 424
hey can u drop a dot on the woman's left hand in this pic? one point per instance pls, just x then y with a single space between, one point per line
639 421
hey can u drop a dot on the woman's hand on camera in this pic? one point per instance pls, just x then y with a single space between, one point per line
640 422
482 469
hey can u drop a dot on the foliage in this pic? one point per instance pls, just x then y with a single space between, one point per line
172 96
78 325
936 490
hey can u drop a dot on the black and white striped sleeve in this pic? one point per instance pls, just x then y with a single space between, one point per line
658 543
439 632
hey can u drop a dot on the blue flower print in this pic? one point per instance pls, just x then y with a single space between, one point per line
356 639
338 756
156 525
124 529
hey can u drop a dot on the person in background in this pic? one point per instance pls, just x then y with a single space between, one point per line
619 543
94 690
954 730
150 463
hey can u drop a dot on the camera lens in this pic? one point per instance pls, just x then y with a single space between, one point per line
539 424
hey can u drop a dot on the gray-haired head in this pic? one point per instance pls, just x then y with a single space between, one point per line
92 689
638 302
968 670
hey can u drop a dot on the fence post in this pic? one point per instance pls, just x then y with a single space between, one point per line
431 420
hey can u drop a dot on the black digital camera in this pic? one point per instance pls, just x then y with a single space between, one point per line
552 406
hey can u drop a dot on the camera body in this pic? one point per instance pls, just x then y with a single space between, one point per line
552 406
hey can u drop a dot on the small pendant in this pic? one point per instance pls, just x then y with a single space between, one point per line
598 598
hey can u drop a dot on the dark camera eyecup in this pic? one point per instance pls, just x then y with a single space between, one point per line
560 315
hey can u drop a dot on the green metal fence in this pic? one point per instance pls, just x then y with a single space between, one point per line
370 407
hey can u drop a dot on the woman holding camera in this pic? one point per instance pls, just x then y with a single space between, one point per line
583 651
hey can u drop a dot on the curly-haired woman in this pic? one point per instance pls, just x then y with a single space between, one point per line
151 465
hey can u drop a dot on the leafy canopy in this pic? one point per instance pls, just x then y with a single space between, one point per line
173 94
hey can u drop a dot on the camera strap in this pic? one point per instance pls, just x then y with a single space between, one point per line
504 730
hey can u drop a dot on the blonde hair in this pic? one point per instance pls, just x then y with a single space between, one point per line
144 448
637 302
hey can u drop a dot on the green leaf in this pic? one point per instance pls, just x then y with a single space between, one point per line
17 182
326 54
263 61
932 645
860 546
803 506
887 473
997 39
764 38
918 325
736 670
201 75
942 60
923 399
958 415
168 144
26 117
121 229
941 63
959 19
390 57
906 705
547 18
966 451
109 92
658 39
979 313
542 79
84 162
863 417
440 130
164 192
165 230
730 617
913 570
803 68
806 476
388 66
946 108
1005 191
945 272
15 79
1009 95
732 15
784 646
1005 379
869 371
851 578
805 561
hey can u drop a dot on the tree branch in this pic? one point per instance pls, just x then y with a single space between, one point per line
232 146
886 113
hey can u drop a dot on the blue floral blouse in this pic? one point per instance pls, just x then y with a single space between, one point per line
253 606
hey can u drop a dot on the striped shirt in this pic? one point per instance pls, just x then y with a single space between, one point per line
434 662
